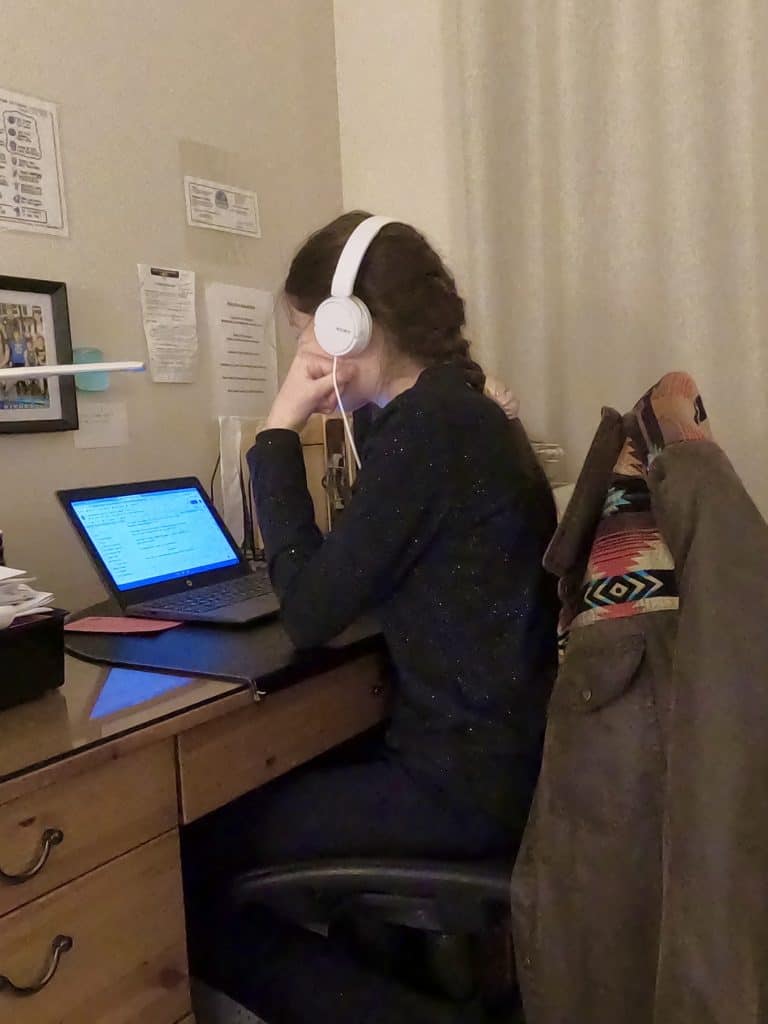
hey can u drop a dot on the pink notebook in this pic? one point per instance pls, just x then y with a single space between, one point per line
115 624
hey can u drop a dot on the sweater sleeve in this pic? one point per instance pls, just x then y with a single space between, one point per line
324 584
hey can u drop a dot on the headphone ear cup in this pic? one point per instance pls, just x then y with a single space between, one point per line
343 326
364 327
325 325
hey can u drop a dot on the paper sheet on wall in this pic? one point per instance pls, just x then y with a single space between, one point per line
211 204
102 425
170 323
241 328
31 179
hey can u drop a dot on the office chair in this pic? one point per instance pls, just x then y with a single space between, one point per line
461 910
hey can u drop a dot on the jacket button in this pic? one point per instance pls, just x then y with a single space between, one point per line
527 962
586 696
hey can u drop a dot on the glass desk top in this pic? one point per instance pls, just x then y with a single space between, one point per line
95 704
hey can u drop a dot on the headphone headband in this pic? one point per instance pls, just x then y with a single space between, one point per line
343 285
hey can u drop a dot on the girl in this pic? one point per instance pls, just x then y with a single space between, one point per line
444 538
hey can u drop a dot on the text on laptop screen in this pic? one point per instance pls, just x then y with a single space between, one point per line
153 537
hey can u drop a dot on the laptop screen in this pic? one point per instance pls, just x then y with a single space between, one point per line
154 536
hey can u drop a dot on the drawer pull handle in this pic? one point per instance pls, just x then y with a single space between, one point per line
60 945
51 837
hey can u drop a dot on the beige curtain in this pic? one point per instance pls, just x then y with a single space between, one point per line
615 162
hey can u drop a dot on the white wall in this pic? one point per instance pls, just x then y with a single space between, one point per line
148 92
400 136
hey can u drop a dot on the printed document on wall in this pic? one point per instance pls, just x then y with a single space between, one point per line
170 323
211 204
31 180
241 327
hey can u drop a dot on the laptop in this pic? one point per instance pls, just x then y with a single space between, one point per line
164 553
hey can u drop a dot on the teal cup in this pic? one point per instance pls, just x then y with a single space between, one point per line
90 381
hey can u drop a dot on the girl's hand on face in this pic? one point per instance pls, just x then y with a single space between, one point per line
308 387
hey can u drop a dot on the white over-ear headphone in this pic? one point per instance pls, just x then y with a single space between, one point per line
343 322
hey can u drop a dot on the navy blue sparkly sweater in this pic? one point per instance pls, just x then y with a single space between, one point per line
444 536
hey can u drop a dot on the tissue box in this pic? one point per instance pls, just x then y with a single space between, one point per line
31 658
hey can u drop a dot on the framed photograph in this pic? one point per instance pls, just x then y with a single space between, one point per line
34 331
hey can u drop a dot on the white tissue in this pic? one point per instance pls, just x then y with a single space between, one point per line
18 598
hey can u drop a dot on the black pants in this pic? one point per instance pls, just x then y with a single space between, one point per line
280 971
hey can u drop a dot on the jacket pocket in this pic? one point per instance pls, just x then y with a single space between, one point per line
603 764
594 675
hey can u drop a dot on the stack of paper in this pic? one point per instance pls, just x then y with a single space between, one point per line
18 598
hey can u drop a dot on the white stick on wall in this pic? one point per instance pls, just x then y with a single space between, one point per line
67 369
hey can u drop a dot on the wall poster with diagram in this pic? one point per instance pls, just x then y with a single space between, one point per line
31 179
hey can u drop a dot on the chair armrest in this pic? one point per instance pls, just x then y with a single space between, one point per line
483 881
405 891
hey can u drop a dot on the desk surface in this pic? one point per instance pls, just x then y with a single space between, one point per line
104 703
260 654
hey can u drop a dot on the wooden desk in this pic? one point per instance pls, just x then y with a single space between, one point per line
93 788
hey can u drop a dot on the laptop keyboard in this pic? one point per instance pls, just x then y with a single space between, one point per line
218 595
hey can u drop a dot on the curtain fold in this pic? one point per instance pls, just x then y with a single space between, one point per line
615 157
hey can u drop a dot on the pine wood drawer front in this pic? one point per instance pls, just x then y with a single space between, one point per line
222 759
76 825
127 963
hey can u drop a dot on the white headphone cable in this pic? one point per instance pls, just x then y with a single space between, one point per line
347 425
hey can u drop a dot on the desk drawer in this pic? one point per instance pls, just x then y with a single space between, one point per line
224 758
100 814
128 959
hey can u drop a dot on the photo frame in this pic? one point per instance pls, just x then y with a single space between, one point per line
34 330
